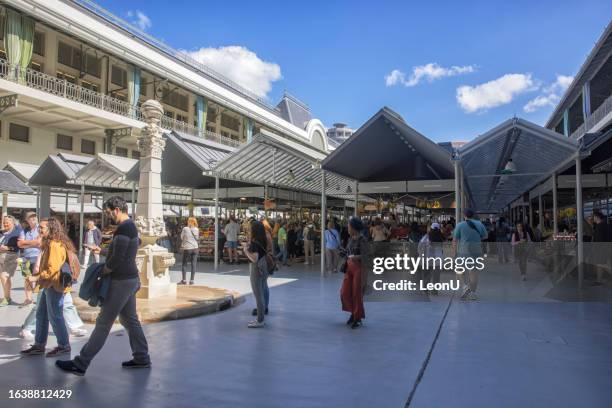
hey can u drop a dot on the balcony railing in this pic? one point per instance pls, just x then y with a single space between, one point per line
595 117
77 93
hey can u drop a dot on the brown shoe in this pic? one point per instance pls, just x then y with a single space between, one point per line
58 351
34 350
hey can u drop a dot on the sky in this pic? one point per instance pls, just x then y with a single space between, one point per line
452 69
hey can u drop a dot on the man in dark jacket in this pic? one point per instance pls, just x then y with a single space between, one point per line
121 298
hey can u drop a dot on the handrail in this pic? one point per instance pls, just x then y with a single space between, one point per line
594 118
62 88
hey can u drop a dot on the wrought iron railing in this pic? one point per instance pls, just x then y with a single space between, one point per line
604 109
77 93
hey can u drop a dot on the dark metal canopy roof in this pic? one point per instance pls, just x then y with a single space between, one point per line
534 150
186 158
385 148
57 169
9 183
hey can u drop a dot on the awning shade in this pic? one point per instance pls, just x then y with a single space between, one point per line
9 183
185 159
385 149
270 159
534 150
24 171
57 169
106 171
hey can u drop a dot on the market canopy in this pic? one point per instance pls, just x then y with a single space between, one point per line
23 171
273 160
9 183
57 169
534 152
386 149
186 158
106 171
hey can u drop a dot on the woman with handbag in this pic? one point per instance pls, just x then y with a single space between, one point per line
258 254
190 247
55 279
355 282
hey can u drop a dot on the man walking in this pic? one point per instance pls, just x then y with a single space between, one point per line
9 253
91 243
467 243
29 242
231 230
121 297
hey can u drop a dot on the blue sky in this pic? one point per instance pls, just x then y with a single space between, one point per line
481 62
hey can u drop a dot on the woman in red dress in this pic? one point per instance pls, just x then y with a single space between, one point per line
354 283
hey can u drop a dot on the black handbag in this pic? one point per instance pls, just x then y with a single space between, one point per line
343 260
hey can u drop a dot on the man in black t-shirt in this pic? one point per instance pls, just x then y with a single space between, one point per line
121 298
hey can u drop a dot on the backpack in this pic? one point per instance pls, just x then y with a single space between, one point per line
71 269
311 235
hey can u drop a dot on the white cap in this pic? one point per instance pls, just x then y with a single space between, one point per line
435 225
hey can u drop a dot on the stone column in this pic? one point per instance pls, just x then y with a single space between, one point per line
153 260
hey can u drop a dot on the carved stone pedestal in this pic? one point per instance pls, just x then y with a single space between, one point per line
153 263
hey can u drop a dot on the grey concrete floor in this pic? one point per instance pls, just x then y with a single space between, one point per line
486 354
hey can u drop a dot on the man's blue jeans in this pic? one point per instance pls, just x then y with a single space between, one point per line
50 309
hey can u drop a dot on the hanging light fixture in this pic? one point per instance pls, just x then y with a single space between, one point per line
290 175
510 167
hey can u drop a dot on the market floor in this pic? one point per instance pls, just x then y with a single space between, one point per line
430 354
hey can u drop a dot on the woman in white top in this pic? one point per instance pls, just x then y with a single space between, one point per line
190 247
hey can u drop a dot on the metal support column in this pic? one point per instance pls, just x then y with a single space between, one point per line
81 218
134 201
4 204
323 218
356 209
554 210
541 212
579 220
66 214
531 214
457 192
216 252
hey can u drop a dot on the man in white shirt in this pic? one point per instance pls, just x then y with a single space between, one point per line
231 231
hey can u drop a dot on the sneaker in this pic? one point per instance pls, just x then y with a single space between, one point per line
5 302
191 282
466 293
26 334
34 350
58 351
256 325
134 364
472 296
69 367
78 332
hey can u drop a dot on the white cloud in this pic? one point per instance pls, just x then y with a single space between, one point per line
139 19
494 93
241 66
551 94
429 72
